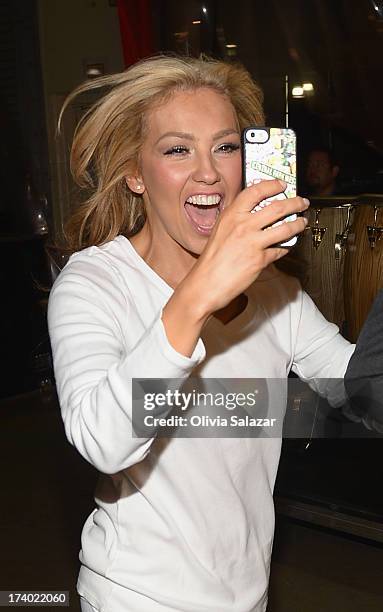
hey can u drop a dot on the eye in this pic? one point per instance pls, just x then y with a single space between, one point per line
228 147
177 150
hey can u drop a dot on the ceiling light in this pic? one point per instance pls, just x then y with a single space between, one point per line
378 6
298 92
94 71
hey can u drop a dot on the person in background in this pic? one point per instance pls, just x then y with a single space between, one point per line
364 374
321 173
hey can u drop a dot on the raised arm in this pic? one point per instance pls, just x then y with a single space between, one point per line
236 253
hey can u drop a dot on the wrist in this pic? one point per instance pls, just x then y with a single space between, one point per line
183 318
196 309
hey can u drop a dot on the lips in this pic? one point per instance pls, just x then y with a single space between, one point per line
202 211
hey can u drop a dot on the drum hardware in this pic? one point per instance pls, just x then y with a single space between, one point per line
341 239
374 232
343 284
324 265
317 232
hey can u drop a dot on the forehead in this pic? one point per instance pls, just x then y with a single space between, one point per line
190 111
319 157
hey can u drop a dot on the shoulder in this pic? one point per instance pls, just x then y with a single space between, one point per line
92 280
95 265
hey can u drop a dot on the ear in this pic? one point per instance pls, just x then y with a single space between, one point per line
335 171
135 184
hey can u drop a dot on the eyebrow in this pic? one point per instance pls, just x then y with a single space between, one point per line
187 136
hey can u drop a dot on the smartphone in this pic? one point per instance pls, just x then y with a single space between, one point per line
269 153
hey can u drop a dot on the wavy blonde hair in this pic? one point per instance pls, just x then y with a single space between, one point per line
108 138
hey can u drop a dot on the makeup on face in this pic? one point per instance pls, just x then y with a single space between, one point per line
190 166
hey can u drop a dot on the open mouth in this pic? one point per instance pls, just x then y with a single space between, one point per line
203 210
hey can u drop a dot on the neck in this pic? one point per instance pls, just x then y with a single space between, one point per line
233 309
171 269
174 269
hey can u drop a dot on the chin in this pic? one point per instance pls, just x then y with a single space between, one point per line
194 247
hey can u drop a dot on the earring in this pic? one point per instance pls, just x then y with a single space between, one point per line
139 187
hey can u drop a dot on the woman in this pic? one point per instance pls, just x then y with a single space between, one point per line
166 247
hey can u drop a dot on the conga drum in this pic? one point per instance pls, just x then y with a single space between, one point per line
363 272
323 248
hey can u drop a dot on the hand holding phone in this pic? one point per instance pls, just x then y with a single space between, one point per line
270 153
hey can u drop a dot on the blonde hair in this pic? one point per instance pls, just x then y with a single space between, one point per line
109 136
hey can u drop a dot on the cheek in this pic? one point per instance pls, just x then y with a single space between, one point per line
234 175
161 178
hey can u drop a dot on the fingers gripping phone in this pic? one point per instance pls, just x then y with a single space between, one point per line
269 153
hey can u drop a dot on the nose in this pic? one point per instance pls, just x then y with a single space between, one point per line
205 170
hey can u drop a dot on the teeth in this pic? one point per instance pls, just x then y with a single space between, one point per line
204 200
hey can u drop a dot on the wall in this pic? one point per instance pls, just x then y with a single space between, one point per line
72 33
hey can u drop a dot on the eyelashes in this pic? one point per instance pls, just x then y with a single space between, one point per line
229 147
179 150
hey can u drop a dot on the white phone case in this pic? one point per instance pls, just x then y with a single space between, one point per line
270 153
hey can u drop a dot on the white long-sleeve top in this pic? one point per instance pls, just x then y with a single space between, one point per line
180 524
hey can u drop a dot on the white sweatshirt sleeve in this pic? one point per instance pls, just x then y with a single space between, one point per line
321 354
87 318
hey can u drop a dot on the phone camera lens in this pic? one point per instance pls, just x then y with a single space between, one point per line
257 136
